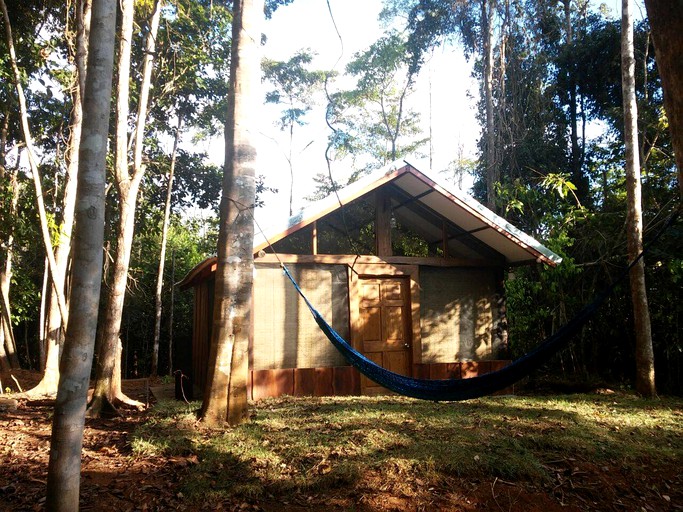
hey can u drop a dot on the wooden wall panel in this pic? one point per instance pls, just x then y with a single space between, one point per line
456 313
345 380
272 383
324 382
285 333
304 382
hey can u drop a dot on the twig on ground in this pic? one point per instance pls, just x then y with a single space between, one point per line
17 383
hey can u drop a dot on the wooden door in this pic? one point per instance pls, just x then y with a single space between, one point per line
385 327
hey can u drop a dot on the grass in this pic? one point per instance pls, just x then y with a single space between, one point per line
318 445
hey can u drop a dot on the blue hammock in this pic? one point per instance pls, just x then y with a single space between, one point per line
457 389
475 387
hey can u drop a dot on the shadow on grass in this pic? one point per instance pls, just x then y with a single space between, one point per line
354 446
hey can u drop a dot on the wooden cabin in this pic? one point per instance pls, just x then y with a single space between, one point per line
407 270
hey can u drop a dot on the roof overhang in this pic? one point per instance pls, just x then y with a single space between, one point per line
458 208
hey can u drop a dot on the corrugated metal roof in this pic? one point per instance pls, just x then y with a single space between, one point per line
418 200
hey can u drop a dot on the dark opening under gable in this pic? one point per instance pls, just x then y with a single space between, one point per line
424 217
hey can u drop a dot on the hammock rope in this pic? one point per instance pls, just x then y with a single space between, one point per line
475 387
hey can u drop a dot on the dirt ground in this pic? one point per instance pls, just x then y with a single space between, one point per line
115 480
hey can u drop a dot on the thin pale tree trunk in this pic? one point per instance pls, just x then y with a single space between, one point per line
63 481
162 254
492 177
7 339
108 385
645 360
57 279
225 395
170 316
55 327
5 257
45 291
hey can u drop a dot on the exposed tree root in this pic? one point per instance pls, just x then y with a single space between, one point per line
44 389
101 407
125 401
104 407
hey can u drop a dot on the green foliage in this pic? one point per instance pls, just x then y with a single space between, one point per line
294 86
371 123
190 240
562 69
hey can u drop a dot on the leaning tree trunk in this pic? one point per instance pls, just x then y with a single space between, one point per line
55 327
57 279
162 256
645 360
108 385
63 481
225 396
666 20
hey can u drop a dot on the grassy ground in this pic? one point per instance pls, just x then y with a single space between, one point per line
579 452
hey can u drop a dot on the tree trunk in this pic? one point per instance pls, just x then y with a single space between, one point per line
225 396
108 385
492 172
55 328
666 20
162 254
45 291
67 428
7 339
57 279
170 316
576 158
645 361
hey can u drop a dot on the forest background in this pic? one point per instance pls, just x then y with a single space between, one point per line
554 73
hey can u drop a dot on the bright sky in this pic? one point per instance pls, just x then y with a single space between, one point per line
307 24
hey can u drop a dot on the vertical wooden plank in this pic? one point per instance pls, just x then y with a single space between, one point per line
484 367
382 223
345 381
272 383
453 370
259 384
282 382
250 385
421 371
324 385
437 371
304 381
416 341
314 238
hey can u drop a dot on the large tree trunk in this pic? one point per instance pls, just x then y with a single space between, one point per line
645 361
162 256
225 396
108 385
67 428
666 20
55 328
